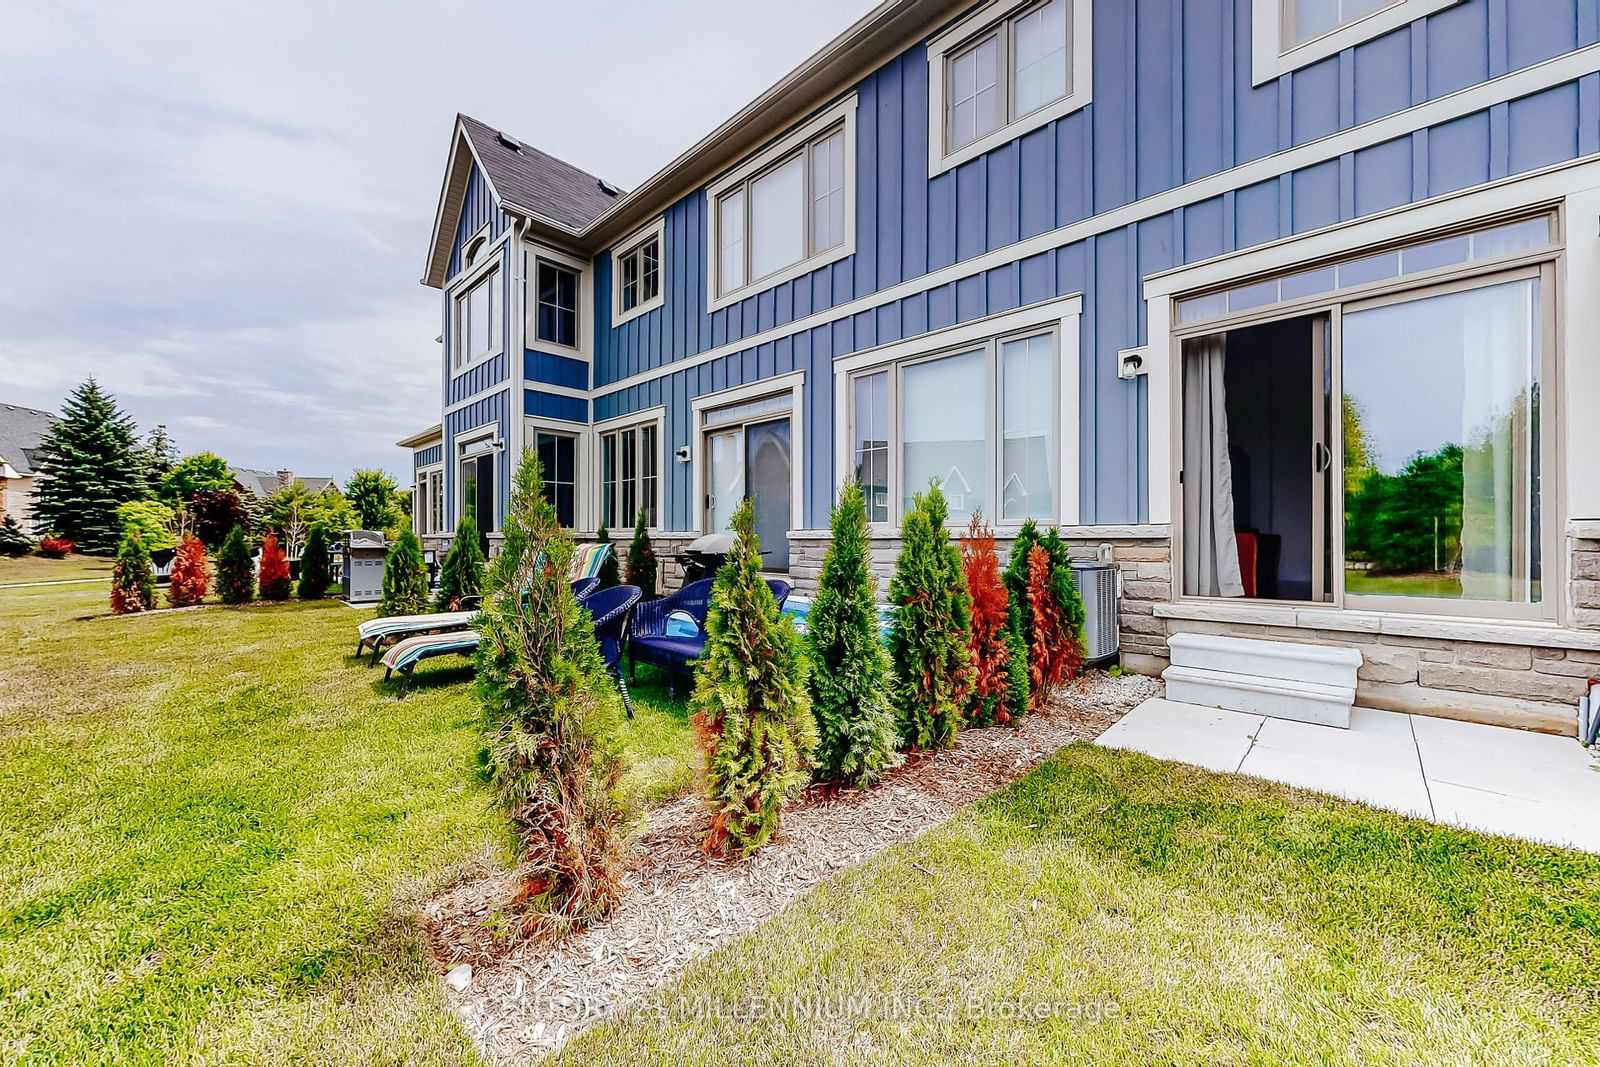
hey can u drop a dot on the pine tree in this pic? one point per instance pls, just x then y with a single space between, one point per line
463 571
315 572
157 456
191 573
236 579
405 578
929 632
750 705
88 465
989 644
641 570
275 583
14 541
133 580
555 754
610 570
856 734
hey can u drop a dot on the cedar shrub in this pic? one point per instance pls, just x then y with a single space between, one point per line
133 580
13 540
750 706
989 643
556 721
610 570
856 734
463 571
275 584
1048 632
929 632
191 573
315 567
236 579
405 578
641 569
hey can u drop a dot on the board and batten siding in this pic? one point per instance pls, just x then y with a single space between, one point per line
1172 103
427 457
492 410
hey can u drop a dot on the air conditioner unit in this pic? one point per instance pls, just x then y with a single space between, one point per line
1100 586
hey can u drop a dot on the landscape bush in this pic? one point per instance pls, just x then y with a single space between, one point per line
856 732
315 569
54 546
133 579
555 755
750 706
462 574
154 521
14 541
641 570
405 578
1047 629
275 581
216 513
191 573
989 643
929 630
236 580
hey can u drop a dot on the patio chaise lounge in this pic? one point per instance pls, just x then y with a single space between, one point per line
609 607
670 633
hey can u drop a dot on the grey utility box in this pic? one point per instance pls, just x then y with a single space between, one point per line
1100 586
361 555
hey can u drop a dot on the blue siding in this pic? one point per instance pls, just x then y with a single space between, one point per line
555 370
493 411
424 457
478 208
555 406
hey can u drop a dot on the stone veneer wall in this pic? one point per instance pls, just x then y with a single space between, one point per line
1583 588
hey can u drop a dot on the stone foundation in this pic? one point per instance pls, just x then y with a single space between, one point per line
1583 585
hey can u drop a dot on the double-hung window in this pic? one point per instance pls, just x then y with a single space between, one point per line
786 211
556 303
981 419
558 459
477 320
1007 69
636 267
428 505
630 475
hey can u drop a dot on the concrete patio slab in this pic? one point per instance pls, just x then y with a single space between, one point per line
1206 737
1489 778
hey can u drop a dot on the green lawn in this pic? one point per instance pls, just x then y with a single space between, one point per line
25 569
1110 908
1365 583
214 824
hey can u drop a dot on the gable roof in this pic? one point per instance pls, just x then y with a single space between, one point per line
21 430
264 483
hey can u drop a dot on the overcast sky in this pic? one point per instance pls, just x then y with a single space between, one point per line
221 210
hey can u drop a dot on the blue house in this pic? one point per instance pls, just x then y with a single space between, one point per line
1288 307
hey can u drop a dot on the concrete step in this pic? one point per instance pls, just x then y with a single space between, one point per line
1251 694
1289 661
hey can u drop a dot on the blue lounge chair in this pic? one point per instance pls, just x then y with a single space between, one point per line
670 633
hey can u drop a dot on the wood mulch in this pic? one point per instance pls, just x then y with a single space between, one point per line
524 999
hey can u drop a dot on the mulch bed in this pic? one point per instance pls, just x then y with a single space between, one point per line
525 999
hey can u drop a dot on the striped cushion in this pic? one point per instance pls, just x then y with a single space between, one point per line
399 624
587 561
405 654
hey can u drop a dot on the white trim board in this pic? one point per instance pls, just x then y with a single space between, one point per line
1559 71
793 383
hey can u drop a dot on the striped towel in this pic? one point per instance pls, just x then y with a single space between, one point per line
399 624
406 654
588 559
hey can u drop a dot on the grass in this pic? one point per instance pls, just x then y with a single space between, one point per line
1365 583
214 826
1111 908
21 569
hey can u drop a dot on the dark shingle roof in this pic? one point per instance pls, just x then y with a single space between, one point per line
21 430
536 180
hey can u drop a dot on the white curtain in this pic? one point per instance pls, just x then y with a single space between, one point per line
1210 550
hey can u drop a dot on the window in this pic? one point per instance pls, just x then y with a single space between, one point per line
478 488
556 299
981 420
636 273
428 510
478 320
558 458
787 210
1009 68
630 475
1289 34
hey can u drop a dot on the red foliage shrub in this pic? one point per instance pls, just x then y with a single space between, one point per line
191 573
1049 646
56 547
274 581
216 512
991 657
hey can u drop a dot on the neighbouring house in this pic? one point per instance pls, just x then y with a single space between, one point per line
21 431
262 484
1287 306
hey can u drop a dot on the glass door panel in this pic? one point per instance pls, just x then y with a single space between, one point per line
769 478
726 486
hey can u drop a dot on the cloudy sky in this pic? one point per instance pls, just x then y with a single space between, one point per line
221 210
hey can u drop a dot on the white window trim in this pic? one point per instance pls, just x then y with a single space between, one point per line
532 253
658 231
1272 58
1061 314
462 284
844 111
1079 93
792 383
657 417
488 436
433 529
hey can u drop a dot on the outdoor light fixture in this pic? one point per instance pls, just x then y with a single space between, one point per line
1130 363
